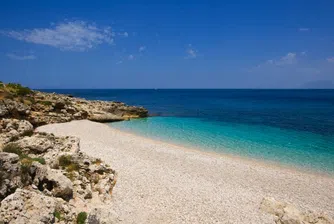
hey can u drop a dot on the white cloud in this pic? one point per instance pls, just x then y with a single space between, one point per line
304 29
21 57
330 60
125 34
69 35
119 62
142 48
288 59
131 57
191 52
304 53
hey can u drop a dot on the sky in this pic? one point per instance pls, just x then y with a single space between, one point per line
167 44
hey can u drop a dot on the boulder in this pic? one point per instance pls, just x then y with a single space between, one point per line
105 186
35 144
59 105
100 116
11 129
10 174
14 109
52 182
27 207
3 109
102 216
61 145
24 127
103 180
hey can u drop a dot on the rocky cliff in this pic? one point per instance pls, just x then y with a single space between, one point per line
41 108
45 178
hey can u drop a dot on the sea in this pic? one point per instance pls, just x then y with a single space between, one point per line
293 128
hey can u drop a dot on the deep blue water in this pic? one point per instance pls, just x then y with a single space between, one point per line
292 127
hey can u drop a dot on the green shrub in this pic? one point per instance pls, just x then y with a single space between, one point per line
45 102
39 159
72 167
58 215
30 99
25 160
66 161
13 148
23 91
70 176
25 170
26 163
81 218
28 133
19 89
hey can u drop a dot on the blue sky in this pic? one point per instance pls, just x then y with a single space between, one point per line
167 44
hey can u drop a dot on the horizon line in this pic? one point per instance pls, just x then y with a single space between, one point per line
182 89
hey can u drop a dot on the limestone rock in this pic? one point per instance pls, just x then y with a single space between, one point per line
102 216
24 127
52 182
66 212
103 179
27 207
105 186
44 108
61 145
13 109
36 144
104 117
11 129
10 174
3 110
288 214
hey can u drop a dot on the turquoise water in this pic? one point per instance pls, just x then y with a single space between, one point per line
288 147
291 127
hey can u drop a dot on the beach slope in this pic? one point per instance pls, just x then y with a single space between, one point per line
164 183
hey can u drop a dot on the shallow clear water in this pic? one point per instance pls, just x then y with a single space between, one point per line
292 127
289 147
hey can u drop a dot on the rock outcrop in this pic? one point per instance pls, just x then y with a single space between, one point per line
12 129
102 216
41 108
52 170
52 182
287 214
46 178
32 207
10 174
27 207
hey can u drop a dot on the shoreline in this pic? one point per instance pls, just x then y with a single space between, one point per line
250 160
158 182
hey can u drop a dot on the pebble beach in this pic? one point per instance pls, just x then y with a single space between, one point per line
159 182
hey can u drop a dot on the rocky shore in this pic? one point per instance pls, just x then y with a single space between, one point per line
45 178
